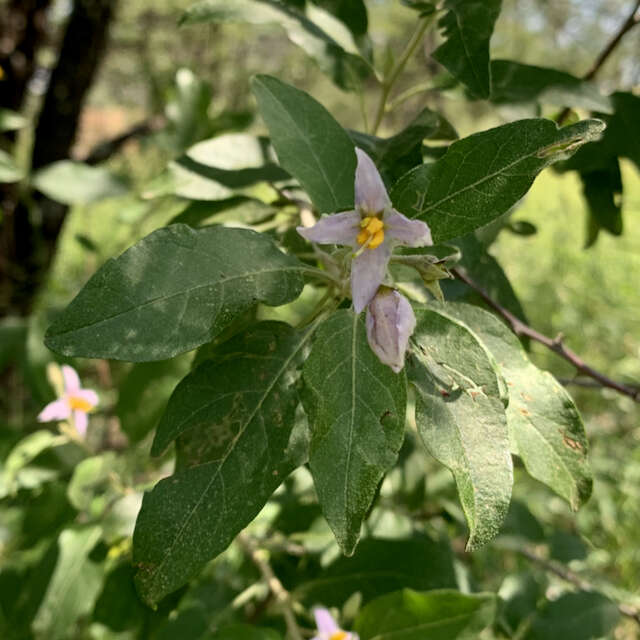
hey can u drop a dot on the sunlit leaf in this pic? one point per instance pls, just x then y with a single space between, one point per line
243 405
482 176
310 144
356 409
173 291
460 417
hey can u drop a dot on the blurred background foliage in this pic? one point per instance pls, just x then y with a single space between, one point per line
154 72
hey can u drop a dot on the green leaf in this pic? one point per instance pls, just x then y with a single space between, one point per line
71 182
243 404
310 144
23 453
514 82
173 291
544 423
468 26
245 632
575 616
482 176
619 139
90 476
380 566
142 396
9 170
237 209
602 190
345 67
11 120
352 13
438 615
356 408
74 586
398 154
461 419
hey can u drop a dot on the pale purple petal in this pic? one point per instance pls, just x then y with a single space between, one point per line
325 621
71 379
339 228
56 410
367 273
80 421
411 233
390 323
87 394
370 192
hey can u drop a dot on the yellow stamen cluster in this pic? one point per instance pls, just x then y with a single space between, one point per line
372 234
339 635
79 404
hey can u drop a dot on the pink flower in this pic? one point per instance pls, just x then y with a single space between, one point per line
372 229
328 628
75 402
390 323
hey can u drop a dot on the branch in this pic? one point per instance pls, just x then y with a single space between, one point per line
573 578
282 596
554 344
632 20
107 148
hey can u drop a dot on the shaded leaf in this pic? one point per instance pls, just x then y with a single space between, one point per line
602 190
467 27
346 68
380 566
74 585
302 129
173 291
398 154
9 170
575 616
413 615
248 447
245 632
482 176
237 209
544 423
356 408
514 82
71 182
352 12
143 393
11 120
460 417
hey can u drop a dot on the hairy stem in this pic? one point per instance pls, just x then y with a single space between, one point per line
398 68
259 557
554 344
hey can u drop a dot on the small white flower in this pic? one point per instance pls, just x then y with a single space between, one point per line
328 629
372 229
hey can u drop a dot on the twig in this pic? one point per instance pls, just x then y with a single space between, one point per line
282 596
632 20
554 344
107 148
573 578
390 79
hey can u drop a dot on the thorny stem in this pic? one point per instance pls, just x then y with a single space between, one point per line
283 597
573 578
390 79
554 344
632 20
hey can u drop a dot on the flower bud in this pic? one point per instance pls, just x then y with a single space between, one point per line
390 323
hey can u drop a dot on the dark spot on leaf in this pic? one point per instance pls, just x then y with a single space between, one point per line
386 414
524 411
571 443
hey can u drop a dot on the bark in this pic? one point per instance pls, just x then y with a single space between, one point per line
28 237
23 29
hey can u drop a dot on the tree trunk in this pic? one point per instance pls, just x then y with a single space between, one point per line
28 237
23 28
